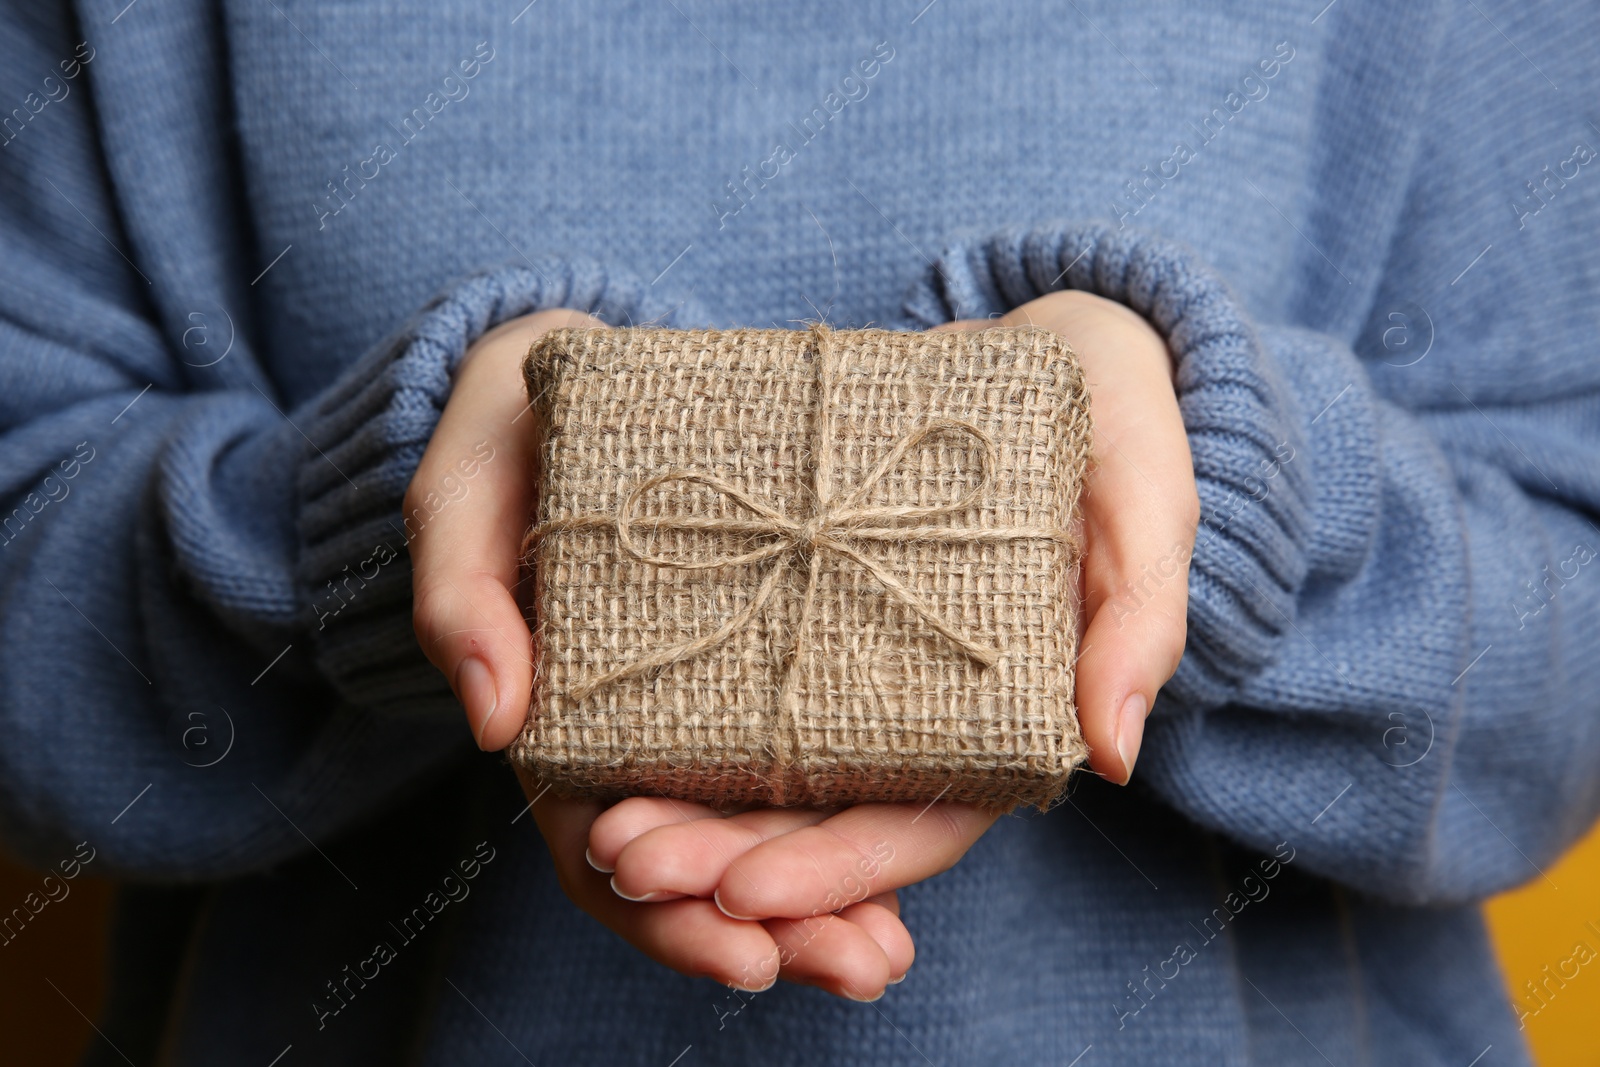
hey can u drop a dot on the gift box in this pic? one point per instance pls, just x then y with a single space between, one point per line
805 567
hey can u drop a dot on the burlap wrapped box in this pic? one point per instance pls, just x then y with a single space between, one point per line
805 567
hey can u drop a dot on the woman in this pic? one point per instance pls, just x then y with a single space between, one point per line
1332 276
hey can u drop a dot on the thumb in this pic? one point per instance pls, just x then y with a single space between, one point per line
1140 512
1137 607
469 505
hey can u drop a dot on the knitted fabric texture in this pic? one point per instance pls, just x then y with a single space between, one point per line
806 567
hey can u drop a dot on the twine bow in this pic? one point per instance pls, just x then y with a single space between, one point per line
836 526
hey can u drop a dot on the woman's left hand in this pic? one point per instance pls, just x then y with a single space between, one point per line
803 873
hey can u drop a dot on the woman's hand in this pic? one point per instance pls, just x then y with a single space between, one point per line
468 622
1140 513
802 894
802 875
820 884
465 558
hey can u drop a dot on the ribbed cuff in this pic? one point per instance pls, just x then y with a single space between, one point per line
1250 433
367 434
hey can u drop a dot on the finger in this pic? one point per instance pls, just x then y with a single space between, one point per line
690 936
883 925
1140 511
627 819
835 953
1137 604
465 514
963 325
691 856
858 853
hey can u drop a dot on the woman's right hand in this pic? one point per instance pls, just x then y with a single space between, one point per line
464 556
465 568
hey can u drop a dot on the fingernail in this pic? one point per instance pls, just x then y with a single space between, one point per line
1130 732
853 995
897 981
717 896
603 870
475 690
755 988
648 898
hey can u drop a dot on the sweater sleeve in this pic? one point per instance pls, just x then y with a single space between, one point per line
204 590
1394 622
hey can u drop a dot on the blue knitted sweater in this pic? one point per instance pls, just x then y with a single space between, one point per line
243 244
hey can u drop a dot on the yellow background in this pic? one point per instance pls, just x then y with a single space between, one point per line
50 977
1538 926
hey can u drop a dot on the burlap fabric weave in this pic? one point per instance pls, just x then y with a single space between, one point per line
804 566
